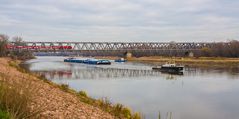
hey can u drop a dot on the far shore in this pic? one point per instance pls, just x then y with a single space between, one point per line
198 61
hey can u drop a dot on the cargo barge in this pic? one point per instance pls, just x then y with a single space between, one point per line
120 60
88 61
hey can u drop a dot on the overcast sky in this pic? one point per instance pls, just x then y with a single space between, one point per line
121 20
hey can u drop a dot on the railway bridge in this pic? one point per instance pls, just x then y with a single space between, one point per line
112 48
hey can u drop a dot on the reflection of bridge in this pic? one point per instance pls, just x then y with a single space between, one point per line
113 48
97 73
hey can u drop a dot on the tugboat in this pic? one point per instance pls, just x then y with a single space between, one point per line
170 68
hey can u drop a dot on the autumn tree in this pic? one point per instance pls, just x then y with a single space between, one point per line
18 41
206 51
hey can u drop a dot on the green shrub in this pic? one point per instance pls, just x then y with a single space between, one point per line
4 115
126 112
136 116
117 109
64 87
105 104
82 93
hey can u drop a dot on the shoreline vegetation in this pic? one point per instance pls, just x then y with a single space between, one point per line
189 61
28 95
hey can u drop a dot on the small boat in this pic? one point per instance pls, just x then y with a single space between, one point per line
169 68
120 60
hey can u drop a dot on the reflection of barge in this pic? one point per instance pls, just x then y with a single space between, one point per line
170 68
88 61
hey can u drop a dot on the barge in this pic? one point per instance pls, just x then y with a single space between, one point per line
88 61
73 60
120 60
170 68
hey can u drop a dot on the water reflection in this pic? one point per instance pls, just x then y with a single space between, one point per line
99 73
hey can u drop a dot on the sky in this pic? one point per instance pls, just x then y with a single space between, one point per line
121 20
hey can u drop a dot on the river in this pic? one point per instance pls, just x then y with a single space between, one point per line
200 93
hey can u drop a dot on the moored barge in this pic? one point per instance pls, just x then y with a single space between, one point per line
120 60
88 61
169 68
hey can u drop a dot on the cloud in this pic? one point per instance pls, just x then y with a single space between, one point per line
120 20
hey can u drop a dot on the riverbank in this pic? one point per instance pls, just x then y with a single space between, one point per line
44 99
191 61
201 61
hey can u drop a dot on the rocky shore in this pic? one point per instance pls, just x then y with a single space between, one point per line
50 101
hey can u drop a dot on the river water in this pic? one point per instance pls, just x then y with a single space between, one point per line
200 93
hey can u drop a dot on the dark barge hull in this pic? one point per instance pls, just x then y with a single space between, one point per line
171 70
97 62
108 63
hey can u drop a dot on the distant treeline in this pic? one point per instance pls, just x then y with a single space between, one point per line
221 49
16 54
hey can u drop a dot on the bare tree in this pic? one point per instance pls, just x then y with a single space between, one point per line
3 45
18 41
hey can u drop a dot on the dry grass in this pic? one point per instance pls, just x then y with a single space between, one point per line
200 61
16 97
118 110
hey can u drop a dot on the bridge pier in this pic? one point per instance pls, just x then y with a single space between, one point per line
128 55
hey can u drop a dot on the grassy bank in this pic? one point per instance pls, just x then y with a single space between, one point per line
117 110
14 100
200 61
16 97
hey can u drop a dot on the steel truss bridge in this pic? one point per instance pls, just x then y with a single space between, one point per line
112 48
